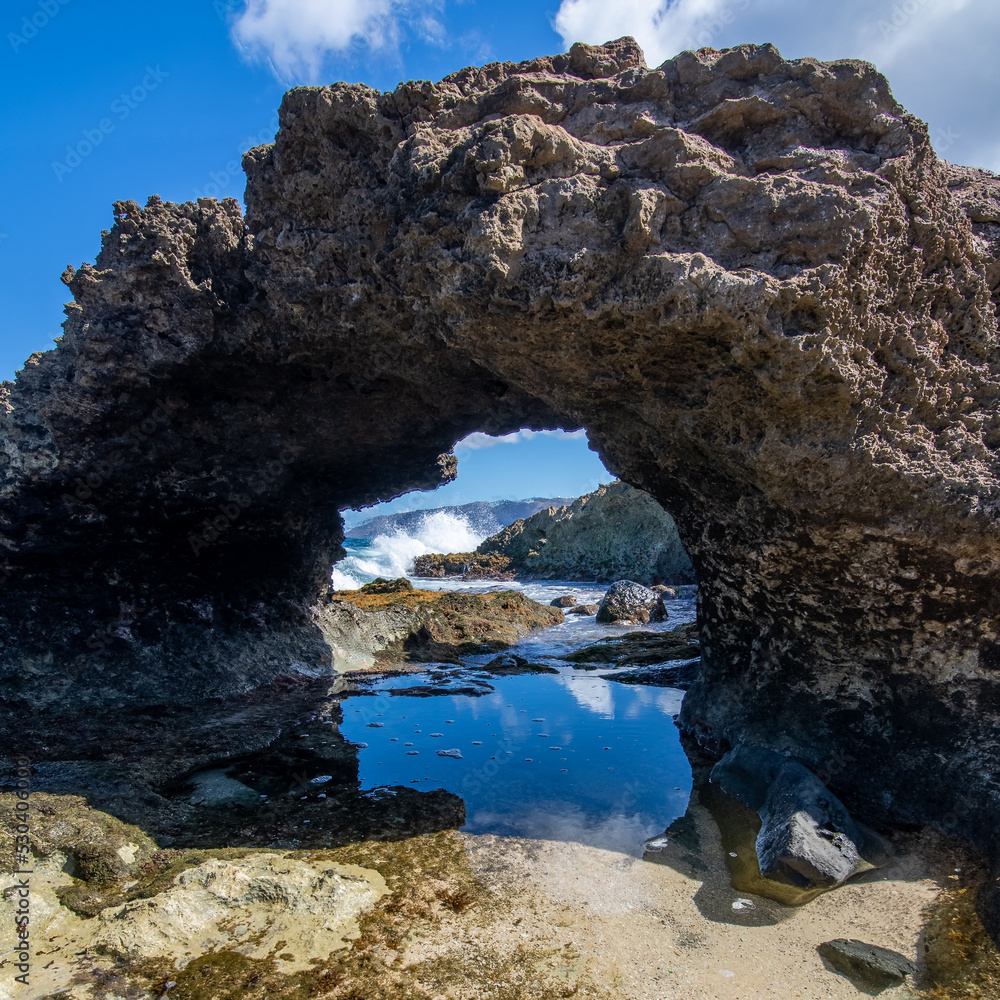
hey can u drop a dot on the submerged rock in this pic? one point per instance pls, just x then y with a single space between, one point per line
509 665
869 967
216 788
630 603
584 609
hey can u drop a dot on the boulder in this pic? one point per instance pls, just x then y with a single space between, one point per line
566 601
584 609
216 788
807 838
629 603
869 967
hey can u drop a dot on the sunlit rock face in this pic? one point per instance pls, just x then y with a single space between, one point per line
749 278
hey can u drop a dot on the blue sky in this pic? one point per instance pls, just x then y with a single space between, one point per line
122 100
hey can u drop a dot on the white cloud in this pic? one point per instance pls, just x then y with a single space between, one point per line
662 29
939 55
478 440
296 36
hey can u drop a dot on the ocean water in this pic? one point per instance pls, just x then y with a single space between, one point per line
392 556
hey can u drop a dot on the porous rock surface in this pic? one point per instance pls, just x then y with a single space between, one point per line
616 532
751 280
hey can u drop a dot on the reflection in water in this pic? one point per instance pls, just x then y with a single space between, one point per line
568 757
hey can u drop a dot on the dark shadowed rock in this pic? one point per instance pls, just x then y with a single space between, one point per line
807 838
509 665
872 969
629 603
641 649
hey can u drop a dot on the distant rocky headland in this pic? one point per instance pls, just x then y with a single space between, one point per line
617 532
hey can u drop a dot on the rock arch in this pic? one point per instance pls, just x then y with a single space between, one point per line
749 278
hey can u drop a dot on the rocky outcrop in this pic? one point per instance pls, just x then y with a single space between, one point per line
617 532
389 622
469 565
749 278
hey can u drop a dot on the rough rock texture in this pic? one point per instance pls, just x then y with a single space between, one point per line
870 968
389 626
630 603
749 278
245 905
617 532
807 838
468 565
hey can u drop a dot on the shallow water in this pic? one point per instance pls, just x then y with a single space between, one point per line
567 756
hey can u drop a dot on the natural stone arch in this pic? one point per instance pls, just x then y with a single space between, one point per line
750 279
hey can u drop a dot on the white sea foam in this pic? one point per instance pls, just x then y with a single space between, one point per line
392 556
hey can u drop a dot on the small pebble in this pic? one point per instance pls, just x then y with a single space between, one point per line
744 904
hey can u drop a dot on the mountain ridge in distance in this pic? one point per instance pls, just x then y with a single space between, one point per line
483 516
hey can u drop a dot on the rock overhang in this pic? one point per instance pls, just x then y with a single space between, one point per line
749 278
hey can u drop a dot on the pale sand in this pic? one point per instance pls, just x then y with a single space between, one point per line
659 929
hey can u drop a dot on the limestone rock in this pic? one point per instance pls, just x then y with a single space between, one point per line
245 905
807 838
613 533
629 603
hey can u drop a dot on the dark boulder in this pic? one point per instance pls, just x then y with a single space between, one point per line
629 603
807 838
870 968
